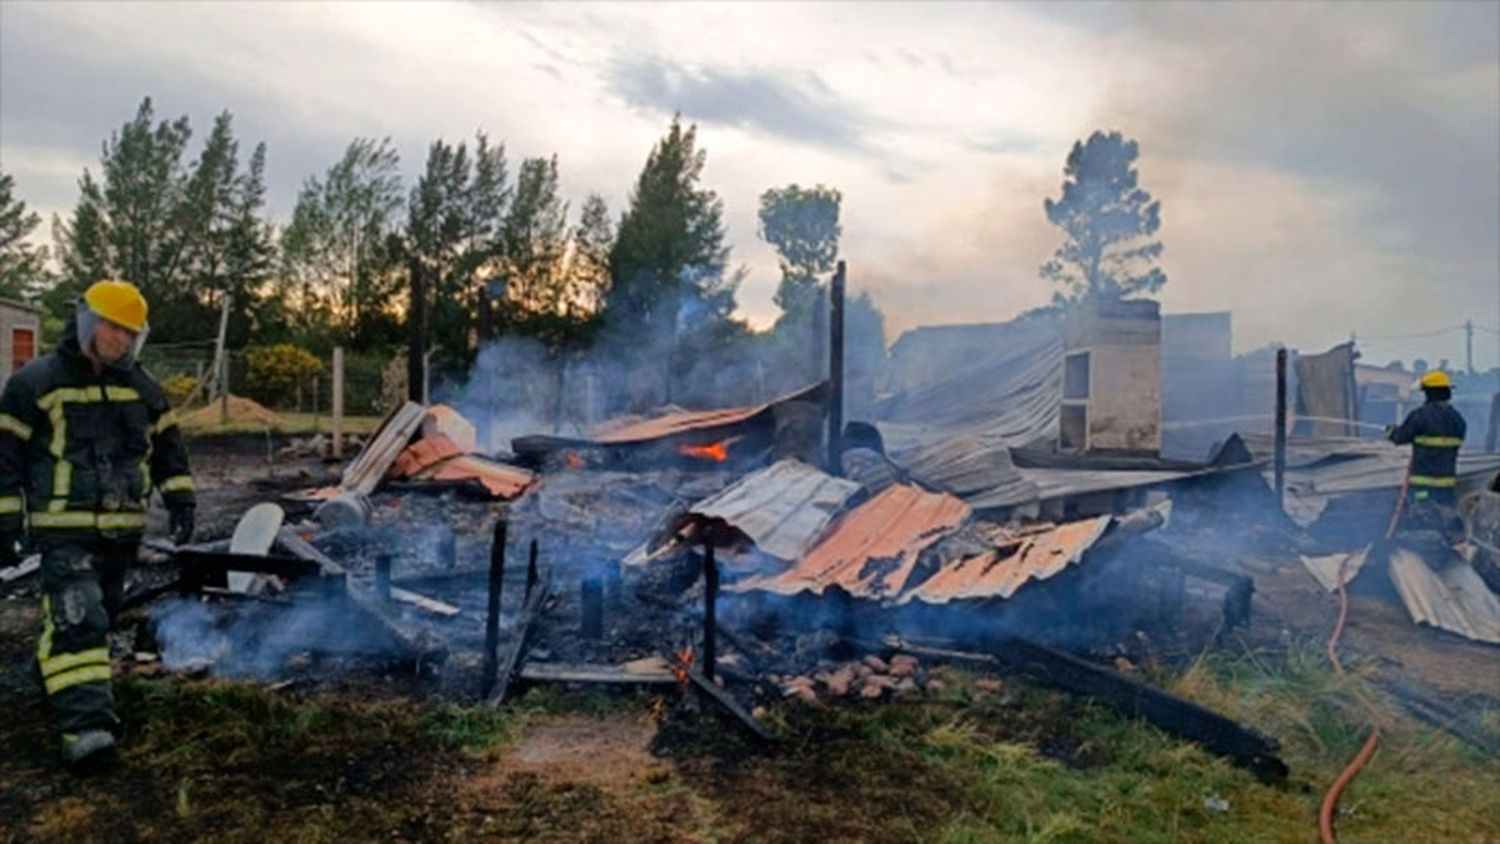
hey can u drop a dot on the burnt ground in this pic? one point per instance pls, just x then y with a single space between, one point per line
363 753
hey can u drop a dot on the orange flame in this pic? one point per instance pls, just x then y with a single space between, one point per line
683 663
574 461
717 452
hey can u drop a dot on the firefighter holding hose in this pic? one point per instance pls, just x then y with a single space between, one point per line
1435 431
85 436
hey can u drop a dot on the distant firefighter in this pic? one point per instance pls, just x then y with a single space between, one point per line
1435 431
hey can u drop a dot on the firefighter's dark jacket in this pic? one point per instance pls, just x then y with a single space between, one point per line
81 451
1435 431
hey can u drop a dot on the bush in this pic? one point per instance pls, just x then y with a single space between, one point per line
275 372
178 387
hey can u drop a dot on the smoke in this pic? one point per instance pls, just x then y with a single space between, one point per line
258 639
699 360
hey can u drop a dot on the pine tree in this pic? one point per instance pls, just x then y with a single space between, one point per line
22 264
670 247
1109 221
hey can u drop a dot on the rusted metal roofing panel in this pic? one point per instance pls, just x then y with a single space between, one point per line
1456 599
1038 555
870 552
782 508
684 421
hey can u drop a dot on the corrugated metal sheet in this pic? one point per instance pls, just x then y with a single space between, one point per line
1038 555
1009 391
870 552
969 466
1325 569
1456 599
782 508
621 432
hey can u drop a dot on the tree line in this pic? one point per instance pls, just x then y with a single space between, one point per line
501 249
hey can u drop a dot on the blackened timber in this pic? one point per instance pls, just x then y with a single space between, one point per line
535 598
416 360
724 699
835 368
710 604
1242 744
591 603
1280 432
383 577
492 608
531 569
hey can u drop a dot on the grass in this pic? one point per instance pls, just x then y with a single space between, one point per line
234 762
298 424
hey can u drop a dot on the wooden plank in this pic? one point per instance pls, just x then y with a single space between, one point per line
431 605
587 673
370 465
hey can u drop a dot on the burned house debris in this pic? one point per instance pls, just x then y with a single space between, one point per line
1034 497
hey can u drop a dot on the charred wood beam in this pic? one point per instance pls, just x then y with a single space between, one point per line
710 604
591 608
536 596
492 608
1218 734
723 699
835 369
1279 472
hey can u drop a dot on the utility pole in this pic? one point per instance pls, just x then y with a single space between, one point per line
1469 346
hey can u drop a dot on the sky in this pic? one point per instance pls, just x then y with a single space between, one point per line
1323 169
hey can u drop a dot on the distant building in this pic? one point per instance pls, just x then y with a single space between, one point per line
20 336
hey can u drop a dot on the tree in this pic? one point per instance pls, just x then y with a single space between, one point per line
670 247
588 264
185 234
338 254
22 264
803 225
534 240
1109 221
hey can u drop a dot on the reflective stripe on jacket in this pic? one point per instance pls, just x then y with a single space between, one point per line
81 451
1435 431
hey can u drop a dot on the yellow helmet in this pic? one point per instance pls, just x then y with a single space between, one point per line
1436 379
119 302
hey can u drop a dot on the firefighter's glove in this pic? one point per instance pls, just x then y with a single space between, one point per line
181 519
10 548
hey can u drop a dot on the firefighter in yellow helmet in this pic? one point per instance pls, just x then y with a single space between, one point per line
85 436
1436 431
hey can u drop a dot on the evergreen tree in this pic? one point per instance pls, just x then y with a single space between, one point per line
22 265
534 240
1109 221
670 247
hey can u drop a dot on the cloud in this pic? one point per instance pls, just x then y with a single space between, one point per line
799 108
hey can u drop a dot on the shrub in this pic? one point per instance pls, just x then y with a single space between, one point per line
275 372
178 386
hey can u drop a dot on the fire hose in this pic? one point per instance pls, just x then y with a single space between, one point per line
1346 776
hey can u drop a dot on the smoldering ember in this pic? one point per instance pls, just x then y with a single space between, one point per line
474 509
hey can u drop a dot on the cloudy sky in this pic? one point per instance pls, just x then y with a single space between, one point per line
1323 169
